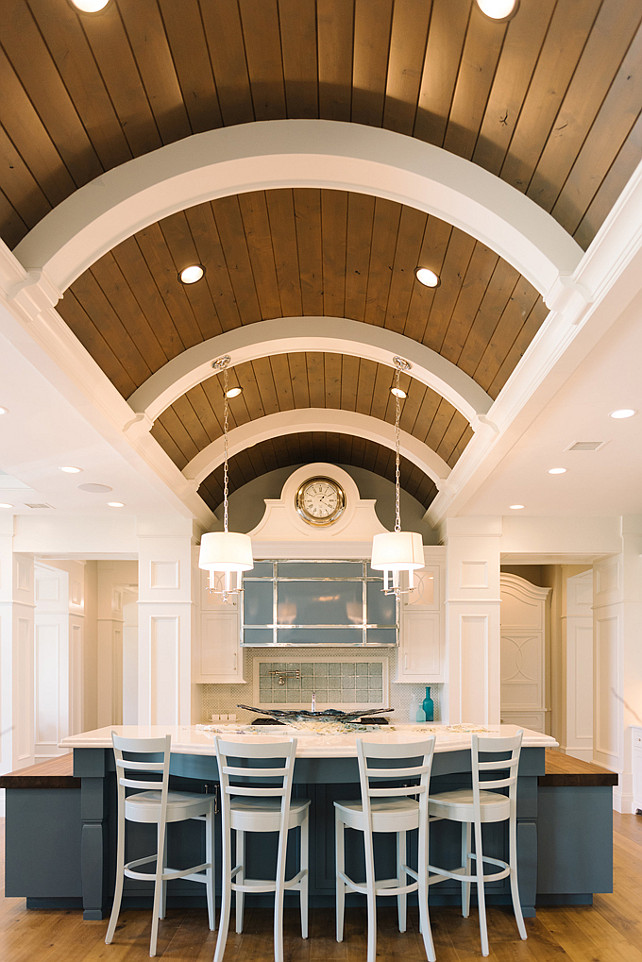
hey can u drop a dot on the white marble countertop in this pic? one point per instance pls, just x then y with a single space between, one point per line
199 739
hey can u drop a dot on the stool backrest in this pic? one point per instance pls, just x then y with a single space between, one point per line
409 779
141 763
259 770
503 760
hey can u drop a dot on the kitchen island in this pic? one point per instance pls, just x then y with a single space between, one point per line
326 769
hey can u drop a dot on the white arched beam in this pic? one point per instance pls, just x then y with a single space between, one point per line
304 420
297 153
336 335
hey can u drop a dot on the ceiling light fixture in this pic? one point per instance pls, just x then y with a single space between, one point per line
233 392
225 554
621 413
69 469
557 470
5 504
397 553
191 274
115 504
398 392
427 277
499 10
90 6
516 507
4 410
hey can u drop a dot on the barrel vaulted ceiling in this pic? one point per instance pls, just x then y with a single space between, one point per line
548 104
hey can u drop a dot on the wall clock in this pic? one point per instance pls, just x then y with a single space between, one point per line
320 501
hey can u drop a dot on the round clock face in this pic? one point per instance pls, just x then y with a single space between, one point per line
320 501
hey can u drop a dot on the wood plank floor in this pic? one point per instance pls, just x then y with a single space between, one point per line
608 931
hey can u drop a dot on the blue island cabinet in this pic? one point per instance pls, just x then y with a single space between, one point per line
77 819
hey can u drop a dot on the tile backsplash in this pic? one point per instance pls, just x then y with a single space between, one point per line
404 699
348 682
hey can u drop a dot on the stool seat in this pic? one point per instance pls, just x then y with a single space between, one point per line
386 814
144 806
459 806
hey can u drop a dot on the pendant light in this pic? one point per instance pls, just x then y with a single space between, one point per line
225 554
397 553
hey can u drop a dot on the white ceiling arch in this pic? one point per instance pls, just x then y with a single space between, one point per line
336 335
297 153
303 420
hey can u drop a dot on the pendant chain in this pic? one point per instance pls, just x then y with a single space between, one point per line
397 445
225 446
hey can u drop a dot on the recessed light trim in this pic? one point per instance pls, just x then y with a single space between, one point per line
4 410
69 469
517 507
90 6
557 470
398 392
191 274
93 488
499 10
5 504
427 277
115 504
234 392
620 414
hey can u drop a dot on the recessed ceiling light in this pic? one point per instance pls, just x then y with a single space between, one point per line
69 469
115 504
398 392
90 6
516 507
498 9
557 470
234 392
622 413
4 410
94 488
191 274
427 277
5 504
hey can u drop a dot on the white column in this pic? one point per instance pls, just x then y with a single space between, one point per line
472 619
617 626
576 737
165 629
16 654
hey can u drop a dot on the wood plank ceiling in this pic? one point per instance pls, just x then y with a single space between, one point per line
549 102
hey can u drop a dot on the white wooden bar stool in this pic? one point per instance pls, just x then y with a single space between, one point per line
481 804
141 763
399 806
258 799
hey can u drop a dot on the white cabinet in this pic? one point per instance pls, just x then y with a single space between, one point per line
421 656
636 738
218 658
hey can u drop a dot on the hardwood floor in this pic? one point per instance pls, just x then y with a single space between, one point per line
608 931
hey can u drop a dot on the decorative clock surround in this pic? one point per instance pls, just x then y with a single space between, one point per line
352 518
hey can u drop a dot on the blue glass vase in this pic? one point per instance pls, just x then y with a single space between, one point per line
428 706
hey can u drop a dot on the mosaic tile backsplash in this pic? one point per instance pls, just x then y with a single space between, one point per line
334 682
404 699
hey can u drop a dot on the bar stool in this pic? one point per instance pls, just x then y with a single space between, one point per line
477 806
140 758
399 806
258 799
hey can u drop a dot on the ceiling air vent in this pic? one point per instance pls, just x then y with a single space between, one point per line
586 445
38 505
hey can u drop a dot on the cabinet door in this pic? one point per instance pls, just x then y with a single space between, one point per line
421 656
219 660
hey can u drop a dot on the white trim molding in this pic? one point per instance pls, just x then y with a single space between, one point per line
307 153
